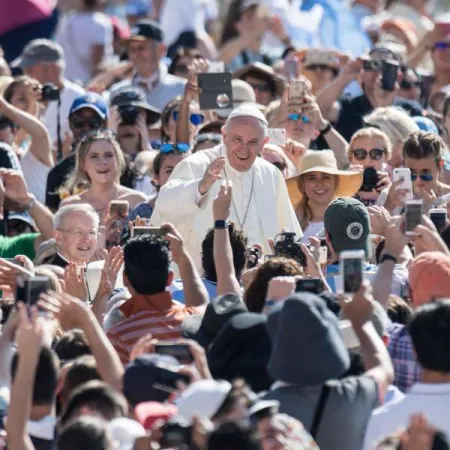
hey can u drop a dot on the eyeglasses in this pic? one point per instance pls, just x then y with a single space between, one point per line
86 123
195 119
214 137
260 87
427 177
323 67
297 116
167 148
361 154
441 45
80 233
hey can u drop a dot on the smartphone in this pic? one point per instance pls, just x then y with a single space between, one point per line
414 211
215 90
216 67
157 231
181 352
119 208
323 255
351 268
439 218
277 136
29 290
313 285
404 174
389 75
291 68
297 89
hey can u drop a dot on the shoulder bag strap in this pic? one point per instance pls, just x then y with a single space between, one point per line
320 408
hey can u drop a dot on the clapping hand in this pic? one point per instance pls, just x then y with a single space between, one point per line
212 174
222 203
111 268
75 282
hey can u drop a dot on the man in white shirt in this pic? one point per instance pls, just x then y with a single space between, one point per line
430 333
44 60
261 206
145 51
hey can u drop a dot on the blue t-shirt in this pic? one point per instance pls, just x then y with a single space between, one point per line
333 273
178 292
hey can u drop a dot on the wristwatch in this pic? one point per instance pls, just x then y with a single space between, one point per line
30 203
387 257
325 129
221 224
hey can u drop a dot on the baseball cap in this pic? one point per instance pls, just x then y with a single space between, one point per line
23 216
39 50
93 101
426 124
347 222
243 93
147 29
429 277
202 399
132 96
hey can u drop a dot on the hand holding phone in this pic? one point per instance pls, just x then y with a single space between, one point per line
215 90
297 90
403 175
389 75
439 218
351 268
156 231
119 208
414 212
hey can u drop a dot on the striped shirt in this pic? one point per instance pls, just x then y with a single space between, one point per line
141 319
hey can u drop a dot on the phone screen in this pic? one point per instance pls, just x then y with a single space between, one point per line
157 231
414 213
439 219
352 274
29 290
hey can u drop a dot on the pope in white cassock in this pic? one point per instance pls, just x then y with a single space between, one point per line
260 205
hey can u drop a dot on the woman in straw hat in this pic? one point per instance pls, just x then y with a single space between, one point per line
317 185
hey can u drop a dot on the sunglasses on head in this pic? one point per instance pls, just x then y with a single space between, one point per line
441 45
84 123
214 137
167 148
297 116
424 177
195 119
361 154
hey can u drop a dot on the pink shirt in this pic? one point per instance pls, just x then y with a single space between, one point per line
23 12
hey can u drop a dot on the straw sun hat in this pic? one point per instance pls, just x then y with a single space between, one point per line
323 161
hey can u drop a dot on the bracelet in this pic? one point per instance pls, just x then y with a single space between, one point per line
326 130
30 203
387 257
221 224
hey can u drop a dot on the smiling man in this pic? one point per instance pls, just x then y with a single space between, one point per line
260 205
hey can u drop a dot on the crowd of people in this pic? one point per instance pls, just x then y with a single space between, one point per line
224 225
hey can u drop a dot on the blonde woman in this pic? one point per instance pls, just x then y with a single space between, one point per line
371 148
99 165
398 126
317 185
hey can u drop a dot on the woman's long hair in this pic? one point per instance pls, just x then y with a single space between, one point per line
79 179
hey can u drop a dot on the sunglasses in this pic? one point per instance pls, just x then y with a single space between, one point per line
167 148
323 67
84 123
195 119
297 116
427 177
405 84
214 137
442 45
260 87
361 154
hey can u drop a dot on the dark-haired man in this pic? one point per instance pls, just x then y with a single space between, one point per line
147 274
430 333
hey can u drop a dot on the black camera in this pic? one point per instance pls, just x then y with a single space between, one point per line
253 256
370 180
50 92
175 435
129 114
288 247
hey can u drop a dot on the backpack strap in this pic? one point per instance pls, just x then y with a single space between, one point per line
320 408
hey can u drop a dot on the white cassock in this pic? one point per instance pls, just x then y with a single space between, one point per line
261 190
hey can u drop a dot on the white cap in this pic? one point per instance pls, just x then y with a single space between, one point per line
202 399
125 431
248 110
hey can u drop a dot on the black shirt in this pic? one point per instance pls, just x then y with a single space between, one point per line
56 178
56 260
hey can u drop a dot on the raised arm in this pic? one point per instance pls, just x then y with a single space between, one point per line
227 283
195 293
376 358
41 145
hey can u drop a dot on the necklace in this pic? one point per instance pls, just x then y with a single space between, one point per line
247 209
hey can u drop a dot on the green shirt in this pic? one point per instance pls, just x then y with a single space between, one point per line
18 245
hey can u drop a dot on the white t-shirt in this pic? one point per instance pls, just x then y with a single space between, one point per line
35 173
186 15
77 34
70 92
